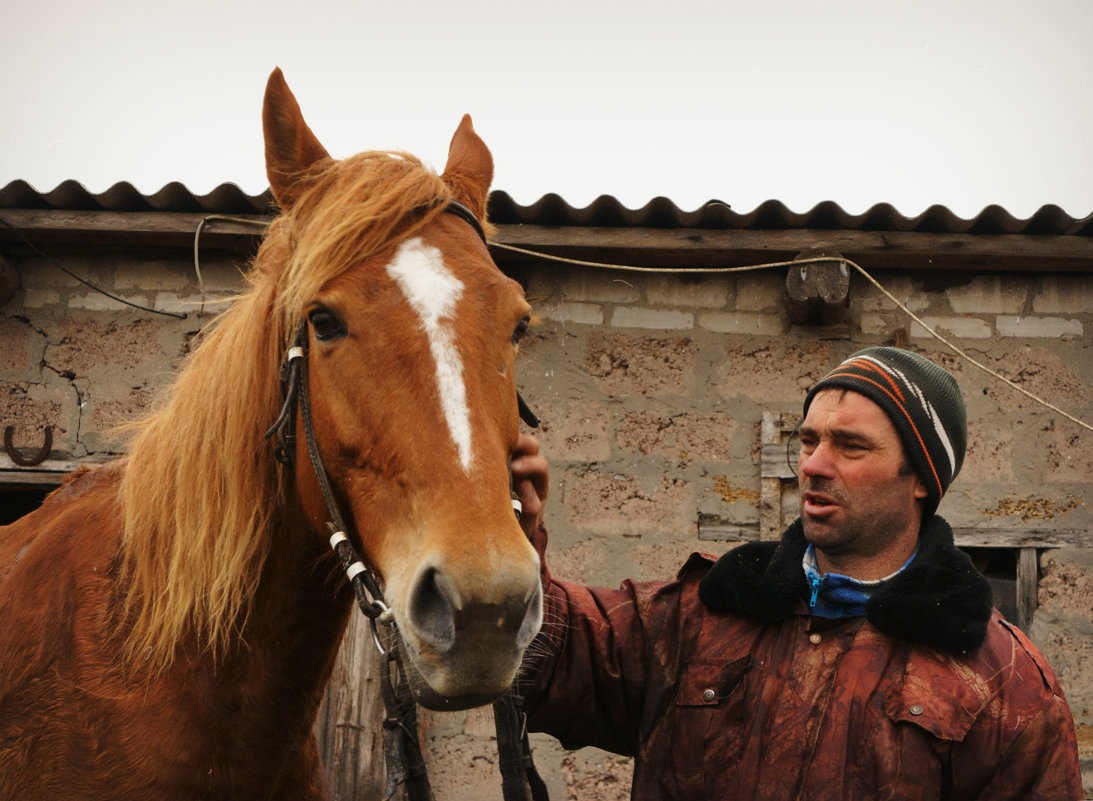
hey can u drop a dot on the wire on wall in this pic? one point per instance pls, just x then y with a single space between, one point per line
39 252
796 263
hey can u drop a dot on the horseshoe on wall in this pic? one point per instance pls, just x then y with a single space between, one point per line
23 461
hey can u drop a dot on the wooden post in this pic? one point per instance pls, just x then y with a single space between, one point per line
349 726
776 475
817 293
1028 580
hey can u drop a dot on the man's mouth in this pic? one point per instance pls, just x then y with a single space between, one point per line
817 504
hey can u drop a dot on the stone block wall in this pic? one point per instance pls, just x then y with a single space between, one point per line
651 388
83 363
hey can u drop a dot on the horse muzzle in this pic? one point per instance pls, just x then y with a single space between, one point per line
464 649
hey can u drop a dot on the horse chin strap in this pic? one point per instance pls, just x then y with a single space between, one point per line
405 762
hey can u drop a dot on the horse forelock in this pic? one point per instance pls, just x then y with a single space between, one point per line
353 210
202 490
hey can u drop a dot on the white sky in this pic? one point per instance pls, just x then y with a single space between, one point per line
911 102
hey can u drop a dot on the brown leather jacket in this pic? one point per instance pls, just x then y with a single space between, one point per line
722 686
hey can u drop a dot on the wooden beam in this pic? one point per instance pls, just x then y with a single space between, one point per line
880 250
1028 583
655 247
47 475
132 229
817 294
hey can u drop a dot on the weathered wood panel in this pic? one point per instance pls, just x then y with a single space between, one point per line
350 722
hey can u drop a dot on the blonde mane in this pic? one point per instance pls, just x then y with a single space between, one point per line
202 491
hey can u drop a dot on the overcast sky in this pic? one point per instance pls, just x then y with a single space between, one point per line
955 102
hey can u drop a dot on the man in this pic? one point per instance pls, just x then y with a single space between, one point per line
857 658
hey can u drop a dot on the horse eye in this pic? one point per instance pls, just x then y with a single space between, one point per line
520 330
326 325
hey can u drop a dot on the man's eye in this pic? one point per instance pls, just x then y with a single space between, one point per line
326 325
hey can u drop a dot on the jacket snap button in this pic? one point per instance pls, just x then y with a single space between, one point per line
815 639
916 709
708 695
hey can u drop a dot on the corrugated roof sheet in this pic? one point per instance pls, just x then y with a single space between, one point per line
605 211
73 196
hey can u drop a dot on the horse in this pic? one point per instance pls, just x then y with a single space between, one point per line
169 620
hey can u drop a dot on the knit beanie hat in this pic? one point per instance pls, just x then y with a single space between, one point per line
924 403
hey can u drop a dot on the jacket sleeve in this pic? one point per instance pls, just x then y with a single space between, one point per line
601 658
1042 763
1027 748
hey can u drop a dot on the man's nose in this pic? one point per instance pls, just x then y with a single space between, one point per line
816 461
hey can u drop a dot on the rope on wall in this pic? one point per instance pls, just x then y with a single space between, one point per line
796 263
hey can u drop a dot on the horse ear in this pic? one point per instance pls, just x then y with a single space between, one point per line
469 170
291 148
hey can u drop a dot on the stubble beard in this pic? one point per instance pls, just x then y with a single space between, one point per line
853 530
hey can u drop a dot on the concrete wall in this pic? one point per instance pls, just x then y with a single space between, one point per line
651 389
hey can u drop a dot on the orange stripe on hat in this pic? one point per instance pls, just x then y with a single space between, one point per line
871 366
899 403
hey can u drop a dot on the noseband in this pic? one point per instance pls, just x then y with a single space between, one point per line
402 749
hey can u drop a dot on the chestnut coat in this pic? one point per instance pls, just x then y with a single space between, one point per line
723 686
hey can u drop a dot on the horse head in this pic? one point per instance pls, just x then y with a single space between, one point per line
412 334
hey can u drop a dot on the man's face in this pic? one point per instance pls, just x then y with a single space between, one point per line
858 493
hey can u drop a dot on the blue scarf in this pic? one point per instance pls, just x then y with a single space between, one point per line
835 595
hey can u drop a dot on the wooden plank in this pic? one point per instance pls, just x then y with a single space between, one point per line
1022 538
677 247
770 485
774 462
881 250
48 474
349 726
777 508
722 532
1028 581
132 229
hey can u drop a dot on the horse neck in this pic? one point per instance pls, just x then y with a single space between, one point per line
285 655
301 605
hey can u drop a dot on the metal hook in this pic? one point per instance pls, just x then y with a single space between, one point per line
32 461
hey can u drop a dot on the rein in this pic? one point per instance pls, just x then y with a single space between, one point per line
405 762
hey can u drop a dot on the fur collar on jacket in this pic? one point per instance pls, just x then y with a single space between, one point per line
940 600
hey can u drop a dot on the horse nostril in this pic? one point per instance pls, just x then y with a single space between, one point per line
432 609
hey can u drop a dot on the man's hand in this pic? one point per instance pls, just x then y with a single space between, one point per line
531 481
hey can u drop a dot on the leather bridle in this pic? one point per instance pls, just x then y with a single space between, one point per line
402 749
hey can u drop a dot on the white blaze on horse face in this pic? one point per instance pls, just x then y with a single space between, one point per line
432 292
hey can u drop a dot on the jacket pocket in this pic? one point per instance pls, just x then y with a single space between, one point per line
709 683
706 736
947 716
